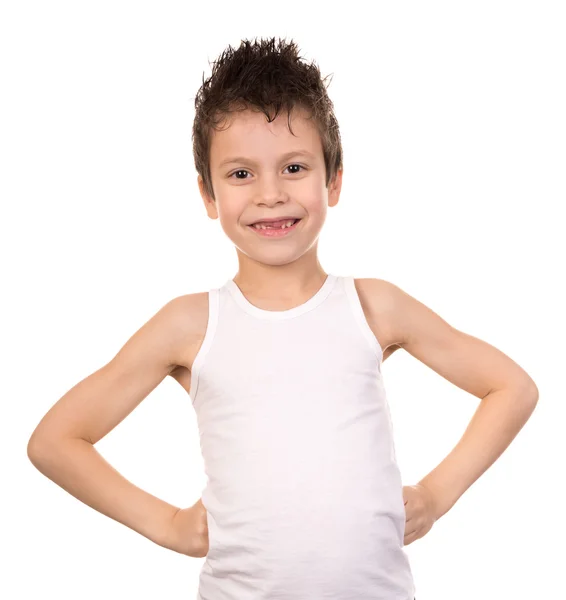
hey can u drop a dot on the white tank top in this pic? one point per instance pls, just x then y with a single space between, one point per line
303 496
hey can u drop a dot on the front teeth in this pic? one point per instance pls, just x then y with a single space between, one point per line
287 224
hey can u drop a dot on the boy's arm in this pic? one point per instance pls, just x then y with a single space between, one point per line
508 394
62 445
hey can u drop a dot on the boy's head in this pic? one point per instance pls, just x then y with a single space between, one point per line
261 106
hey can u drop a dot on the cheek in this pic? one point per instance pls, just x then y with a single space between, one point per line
231 225
317 207
230 210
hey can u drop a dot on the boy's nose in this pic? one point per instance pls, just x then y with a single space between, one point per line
271 197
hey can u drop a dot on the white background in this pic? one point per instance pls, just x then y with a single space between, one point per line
453 125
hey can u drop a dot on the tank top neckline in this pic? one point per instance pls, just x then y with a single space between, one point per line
295 311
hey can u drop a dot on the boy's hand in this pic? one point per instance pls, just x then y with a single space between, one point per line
188 532
420 512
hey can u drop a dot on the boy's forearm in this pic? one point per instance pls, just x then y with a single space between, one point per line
77 467
498 419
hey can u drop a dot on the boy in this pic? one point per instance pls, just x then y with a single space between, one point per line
283 365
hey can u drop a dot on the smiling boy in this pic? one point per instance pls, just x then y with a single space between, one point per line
283 364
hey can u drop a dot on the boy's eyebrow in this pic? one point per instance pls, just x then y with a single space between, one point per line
284 157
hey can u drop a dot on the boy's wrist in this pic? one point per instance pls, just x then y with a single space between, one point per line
443 501
161 530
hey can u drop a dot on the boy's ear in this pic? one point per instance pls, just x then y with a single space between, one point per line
209 203
334 188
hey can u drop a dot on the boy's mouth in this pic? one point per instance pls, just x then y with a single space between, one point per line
277 229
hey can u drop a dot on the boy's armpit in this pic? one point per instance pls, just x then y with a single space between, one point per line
389 351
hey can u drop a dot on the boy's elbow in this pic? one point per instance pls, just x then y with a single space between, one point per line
40 447
531 390
37 448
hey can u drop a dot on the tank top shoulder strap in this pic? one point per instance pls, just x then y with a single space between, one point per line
356 306
211 326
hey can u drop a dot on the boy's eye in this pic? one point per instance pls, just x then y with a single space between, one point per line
244 171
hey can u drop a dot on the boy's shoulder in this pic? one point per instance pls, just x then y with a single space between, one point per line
381 303
188 317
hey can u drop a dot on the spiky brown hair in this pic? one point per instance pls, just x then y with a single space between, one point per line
267 77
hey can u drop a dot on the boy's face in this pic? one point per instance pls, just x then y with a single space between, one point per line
263 183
